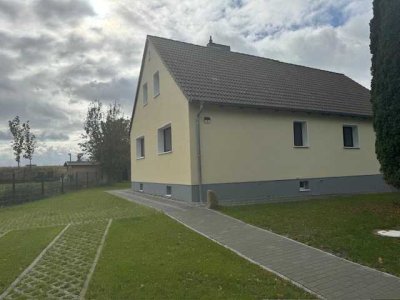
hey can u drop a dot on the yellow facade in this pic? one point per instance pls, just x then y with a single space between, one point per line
170 106
245 145
239 144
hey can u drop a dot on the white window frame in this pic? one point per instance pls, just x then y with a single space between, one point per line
156 84
160 135
138 147
356 140
306 187
145 93
305 135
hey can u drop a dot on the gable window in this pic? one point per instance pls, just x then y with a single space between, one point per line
350 136
145 94
140 147
156 84
304 186
300 137
165 139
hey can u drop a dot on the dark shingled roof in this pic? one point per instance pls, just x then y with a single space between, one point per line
224 77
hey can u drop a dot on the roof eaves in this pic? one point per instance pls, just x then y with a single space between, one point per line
286 109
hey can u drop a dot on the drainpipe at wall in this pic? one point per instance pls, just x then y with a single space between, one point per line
199 152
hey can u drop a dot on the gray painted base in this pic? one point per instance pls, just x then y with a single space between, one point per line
271 191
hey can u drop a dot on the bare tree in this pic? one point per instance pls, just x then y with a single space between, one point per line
18 138
29 142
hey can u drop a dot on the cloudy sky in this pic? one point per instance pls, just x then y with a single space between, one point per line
58 55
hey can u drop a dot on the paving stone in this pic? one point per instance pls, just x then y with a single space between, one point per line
324 274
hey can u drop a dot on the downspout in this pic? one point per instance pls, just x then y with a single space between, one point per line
199 152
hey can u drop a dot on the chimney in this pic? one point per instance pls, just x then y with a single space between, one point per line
218 46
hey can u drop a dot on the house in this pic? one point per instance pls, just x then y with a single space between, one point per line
249 128
83 172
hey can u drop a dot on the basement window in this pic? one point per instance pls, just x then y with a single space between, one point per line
140 187
350 136
140 147
304 186
169 191
300 136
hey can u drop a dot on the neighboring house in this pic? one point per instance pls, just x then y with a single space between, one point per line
247 127
83 172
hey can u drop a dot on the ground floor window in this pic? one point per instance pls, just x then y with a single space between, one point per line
165 139
140 187
300 136
140 147
350 136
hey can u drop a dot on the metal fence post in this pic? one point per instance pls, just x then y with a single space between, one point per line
87 179
62 184
13 186
42 186
76 180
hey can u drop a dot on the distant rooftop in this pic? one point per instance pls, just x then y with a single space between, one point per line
81 163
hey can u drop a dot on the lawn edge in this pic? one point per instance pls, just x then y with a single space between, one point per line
309 246
299 285
35 261
95 261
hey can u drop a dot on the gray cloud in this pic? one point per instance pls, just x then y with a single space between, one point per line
10 9
29 48
5 136
53 136
7 65
57 55
120 90
57 12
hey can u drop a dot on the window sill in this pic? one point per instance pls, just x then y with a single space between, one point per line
168 196
162 153
305 147
305 190
356 148
141 191
139 158
145 104
155 96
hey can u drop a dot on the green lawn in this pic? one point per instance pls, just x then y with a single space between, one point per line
154 257
341 225
19 248
81 206
146 254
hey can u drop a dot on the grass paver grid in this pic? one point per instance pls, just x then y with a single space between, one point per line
73 208
63 269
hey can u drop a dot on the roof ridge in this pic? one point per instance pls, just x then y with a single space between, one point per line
251 55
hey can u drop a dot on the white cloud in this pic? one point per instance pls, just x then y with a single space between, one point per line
58 55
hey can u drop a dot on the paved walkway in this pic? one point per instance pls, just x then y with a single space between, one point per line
318 272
